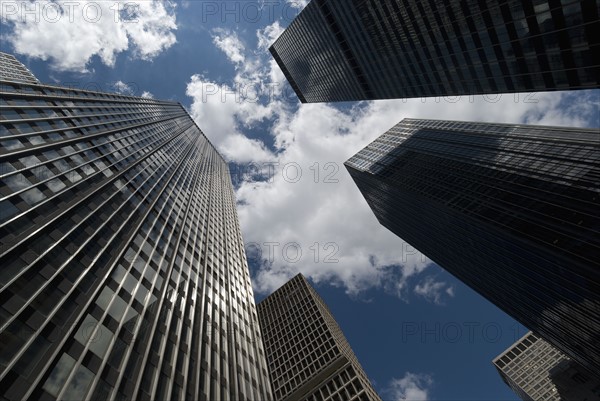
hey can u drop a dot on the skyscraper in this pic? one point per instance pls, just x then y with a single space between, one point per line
535 370
309 358
511 210
123 272
339 50
12 70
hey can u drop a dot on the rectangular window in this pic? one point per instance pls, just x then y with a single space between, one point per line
59 375
97 335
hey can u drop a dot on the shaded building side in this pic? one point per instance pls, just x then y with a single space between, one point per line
340 50
510 210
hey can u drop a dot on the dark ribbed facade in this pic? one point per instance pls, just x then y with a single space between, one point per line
309 358
341 50
536 371
124 275
511 210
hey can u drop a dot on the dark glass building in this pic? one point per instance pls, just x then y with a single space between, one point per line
124 275
309 358
340 50
511 210
535 370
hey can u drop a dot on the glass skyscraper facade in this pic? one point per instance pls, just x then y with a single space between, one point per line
124 275
511 210
339 50
536 371
308 355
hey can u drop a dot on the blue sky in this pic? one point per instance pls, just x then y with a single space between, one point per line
419 333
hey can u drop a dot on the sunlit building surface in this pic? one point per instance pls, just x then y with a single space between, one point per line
536 371
511 210
123 272
12 70
308 356
340 50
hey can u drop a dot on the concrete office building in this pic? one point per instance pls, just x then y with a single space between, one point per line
536 371
123 272
308 356
339 50
510 210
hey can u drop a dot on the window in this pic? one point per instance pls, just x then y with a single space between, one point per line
79 384
118 308
55 185
18 182
11 144
7 210
99 339
59 375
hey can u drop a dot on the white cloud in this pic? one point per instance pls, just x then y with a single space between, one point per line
331 219
70 34
433 290
412 387
147 95
122 88
220 116
331 214
268 35
299 4
230 44
225 110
